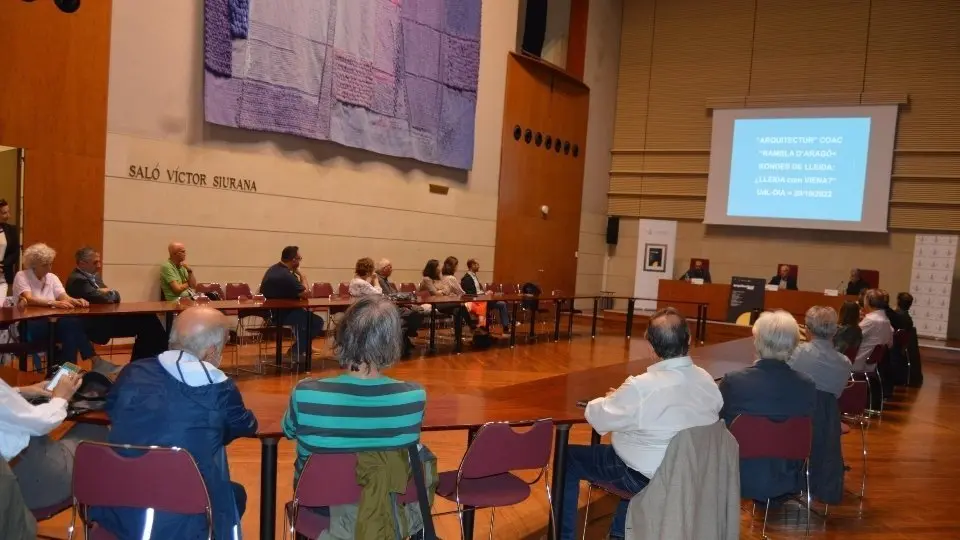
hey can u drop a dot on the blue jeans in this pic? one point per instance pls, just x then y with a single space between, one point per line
504 316
70 333
298 318
596 463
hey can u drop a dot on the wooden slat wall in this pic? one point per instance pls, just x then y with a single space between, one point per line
679 58
53 103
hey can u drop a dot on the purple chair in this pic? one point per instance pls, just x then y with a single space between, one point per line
164 479
484 478
853 408
322 290
331 480
761 437
207 288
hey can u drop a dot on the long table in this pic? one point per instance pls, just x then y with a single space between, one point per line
716 296
551 397
561 304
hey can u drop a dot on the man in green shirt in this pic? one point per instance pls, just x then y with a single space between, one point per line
176 278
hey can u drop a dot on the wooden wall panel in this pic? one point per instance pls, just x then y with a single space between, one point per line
547 101
681 57
577 37
53 103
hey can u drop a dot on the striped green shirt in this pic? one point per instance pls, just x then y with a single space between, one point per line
350 414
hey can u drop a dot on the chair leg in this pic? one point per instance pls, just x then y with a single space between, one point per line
553 517
463 534
863 441
493 517
766 513
809 500
586 511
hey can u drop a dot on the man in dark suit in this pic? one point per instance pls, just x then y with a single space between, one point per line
697 272
11 249
471 285
856 283
772 389
85 282
784 280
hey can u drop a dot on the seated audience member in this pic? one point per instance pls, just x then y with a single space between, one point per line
697 272
433 283
904 303
37 286
16 520
856 283
643 414
848 334
284 281
362 408
784 280
181 398
86 283
769 388
875 327
915 375
176 278
9 248
384 270
817 358
366 282
43 466
470 284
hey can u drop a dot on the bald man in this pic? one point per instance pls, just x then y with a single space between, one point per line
784 280
181 398
176 278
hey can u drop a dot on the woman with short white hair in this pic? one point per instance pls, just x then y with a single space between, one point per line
772 389
37 286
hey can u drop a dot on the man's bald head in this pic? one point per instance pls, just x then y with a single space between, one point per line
669 334
178 252
200 331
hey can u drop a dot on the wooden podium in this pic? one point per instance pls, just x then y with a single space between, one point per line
675 293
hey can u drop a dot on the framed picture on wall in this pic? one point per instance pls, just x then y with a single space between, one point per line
654 257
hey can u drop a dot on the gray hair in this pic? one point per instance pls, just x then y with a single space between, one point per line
382 263
85 253
197 341
369 334
38 254
821 322
776 334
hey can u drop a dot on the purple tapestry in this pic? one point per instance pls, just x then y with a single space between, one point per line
396 77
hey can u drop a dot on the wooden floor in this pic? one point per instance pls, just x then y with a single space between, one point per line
913 450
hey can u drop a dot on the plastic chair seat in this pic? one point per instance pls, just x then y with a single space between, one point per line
503 489
613 490
309 523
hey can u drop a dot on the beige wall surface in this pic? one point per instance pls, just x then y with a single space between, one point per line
600 74
336 203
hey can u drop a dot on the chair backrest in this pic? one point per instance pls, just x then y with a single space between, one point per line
877 355
408 287
344 289
794 269
322 290
492 287
851 353
331 479
233 291
165 479
853 399
902 337
761 437
498 448
872 277
693 261
207 288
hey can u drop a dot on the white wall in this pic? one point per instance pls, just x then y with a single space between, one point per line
336 203
601 66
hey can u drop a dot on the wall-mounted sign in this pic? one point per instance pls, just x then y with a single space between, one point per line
190 178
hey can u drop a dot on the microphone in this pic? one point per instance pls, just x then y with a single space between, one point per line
840 287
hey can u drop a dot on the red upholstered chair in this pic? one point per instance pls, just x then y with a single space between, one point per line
207 288
164 479
693 260
872 277
343 289
408 287
761 437
853 408
322 290
485 477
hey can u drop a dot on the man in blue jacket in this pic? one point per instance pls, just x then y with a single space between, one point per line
182 399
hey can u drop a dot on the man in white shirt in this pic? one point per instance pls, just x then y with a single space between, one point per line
44 467
643 415
875 327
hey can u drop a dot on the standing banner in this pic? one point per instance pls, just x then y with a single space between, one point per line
656 241
746 295
931 280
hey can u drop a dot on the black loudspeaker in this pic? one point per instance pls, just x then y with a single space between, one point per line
535 27
613 230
